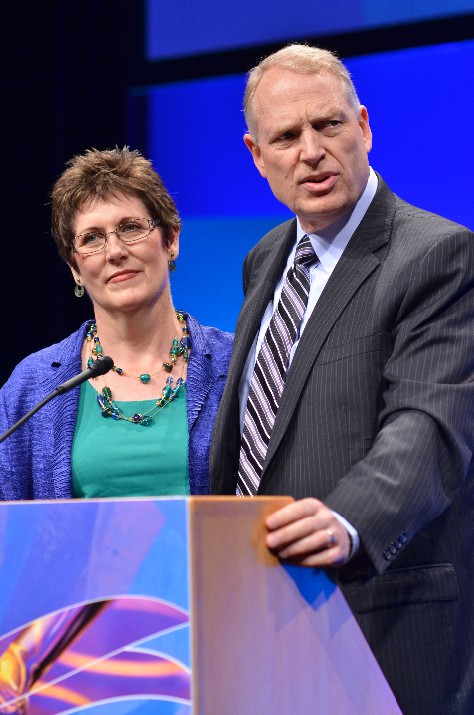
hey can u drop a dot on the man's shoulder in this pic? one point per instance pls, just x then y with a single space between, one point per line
277 236
407 215
280 232
429 220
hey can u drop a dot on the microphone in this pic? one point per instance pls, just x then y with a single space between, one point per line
99 367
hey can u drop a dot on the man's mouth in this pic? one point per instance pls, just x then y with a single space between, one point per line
320 182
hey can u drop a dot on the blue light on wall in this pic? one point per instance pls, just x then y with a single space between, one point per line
177 29
420 105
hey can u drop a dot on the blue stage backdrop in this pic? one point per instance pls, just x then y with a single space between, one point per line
420 105
213 25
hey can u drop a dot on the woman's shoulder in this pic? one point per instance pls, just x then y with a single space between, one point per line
210 342
216 336
208 334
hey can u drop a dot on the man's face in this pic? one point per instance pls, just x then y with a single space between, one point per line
311 144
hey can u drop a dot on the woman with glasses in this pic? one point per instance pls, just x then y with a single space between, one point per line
144 428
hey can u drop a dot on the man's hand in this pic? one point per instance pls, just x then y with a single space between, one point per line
307 533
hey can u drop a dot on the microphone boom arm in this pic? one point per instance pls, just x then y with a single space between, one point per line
102 365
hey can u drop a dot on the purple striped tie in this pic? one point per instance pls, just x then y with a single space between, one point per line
270 369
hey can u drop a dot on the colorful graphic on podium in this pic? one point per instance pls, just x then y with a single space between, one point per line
115 637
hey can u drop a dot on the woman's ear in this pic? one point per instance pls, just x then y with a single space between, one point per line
75 273
173 243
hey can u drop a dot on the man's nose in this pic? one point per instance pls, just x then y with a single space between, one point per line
312 148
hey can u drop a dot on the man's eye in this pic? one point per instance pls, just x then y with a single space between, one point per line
284 137
331 124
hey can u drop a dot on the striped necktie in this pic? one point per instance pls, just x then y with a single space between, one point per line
268 379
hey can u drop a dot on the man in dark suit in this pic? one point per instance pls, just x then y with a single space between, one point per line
373 428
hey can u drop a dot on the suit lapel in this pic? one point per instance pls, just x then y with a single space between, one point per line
357 263
260 290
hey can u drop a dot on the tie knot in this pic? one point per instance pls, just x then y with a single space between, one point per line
305 254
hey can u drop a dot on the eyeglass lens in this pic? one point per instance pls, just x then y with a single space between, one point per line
128 231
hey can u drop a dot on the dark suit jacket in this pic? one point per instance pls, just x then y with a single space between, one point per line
377 420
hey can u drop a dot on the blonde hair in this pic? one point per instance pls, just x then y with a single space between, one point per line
299 58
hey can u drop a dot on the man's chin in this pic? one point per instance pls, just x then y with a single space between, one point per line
322 219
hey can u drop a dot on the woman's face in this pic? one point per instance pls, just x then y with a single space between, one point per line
123 277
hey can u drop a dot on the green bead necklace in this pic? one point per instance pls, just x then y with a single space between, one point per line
179 349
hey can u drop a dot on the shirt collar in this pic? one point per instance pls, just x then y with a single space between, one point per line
329 248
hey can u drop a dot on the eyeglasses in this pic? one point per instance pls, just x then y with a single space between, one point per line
129 231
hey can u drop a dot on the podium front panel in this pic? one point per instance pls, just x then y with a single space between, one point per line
171 607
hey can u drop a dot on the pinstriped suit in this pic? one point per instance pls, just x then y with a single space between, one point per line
377 419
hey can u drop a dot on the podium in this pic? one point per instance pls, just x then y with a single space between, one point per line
171 607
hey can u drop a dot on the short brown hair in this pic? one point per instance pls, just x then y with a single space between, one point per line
299 58
100 175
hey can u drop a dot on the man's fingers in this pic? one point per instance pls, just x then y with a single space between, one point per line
308 533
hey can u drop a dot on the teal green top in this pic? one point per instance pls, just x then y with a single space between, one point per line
116 458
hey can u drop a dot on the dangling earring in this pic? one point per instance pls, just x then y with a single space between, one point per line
78 288
171 263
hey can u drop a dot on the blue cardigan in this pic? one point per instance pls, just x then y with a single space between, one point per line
35 461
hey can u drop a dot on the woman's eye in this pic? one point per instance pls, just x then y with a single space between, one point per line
130 227
91 238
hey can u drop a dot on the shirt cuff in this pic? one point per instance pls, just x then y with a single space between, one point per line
353 534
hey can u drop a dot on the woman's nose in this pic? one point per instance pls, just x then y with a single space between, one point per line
114 248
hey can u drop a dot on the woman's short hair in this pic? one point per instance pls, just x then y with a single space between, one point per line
100 175
299 58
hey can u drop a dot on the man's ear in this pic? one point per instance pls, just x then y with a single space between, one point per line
254 149
365 127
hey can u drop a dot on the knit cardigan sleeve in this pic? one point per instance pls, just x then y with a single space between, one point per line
207 371
35 461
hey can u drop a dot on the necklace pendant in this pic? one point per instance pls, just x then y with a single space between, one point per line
145 377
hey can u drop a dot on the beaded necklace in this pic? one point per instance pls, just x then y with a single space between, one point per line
179 349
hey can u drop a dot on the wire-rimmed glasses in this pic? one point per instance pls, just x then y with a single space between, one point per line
129 231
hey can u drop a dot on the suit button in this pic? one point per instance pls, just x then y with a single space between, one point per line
387 555
393 548
403 537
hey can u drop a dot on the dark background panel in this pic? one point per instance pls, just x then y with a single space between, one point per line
65 76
